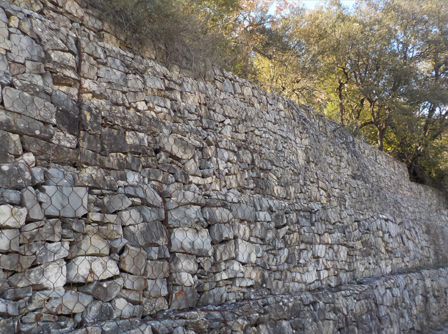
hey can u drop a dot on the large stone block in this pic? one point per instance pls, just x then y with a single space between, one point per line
46 230
64 201
243 212
14 176
133 260
185 216
146 234
183 297
12 217
28 105
46 276
85 269
16 262
89 245
192 241
112 203
9 240
29 201
24 125
71 302
245 251
216 215
177 147
104 291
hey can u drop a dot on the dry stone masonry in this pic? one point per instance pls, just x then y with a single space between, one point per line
135 199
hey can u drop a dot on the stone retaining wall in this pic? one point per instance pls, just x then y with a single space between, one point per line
128 191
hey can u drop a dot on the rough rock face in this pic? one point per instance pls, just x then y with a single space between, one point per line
138 200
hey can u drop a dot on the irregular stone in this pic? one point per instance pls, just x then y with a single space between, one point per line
130 217
177 147
95 177
183 262
154 305
113 203
221 232
224 252
9 240
146 193
9 308
89 245
183 297
97 311
133 260
185 216
216 215
104 291
64 201
29 201
182 278
150 215
71 302
49 230
132 282
28 105
132 296
157 269
123 309
216 296
59 176
16 262
245 251
192 241
114 141
157 287
8 196
10 143
24 48
18 293
105 231
46 276
146 234
85 269
117 245
50 252
12 217
24 125
14 176
243 212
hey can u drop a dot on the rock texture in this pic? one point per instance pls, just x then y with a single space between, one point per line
135 199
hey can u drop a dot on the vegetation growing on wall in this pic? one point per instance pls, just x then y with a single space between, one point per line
380 69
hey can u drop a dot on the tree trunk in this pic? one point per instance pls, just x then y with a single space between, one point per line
381 133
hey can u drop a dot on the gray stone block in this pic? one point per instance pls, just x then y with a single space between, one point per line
64 201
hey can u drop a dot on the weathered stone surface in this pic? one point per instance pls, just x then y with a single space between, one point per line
64 201
10 143
221 232
16 262
60 176
12 217
85 269
8 196
46 276
183 262
130 217
146 193
71 302
9 240
245 251
50 252
27 105
29 201
185 216
124 310
104 291
177 147
154 305
113 203
224 252
14 176
89 245
243 212
97 311
217 215
215 296
133 260
157 287
49 230
149 214
157 269
192 241
9 308
132 282
146 234
183 297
